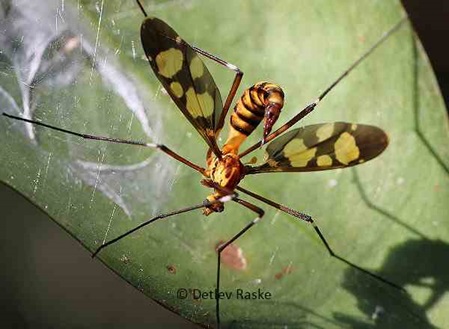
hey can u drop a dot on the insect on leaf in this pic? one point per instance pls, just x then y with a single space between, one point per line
96 191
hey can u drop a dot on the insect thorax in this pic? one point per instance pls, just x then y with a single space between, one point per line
226 173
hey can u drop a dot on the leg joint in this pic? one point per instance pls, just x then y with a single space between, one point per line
260 212
296 214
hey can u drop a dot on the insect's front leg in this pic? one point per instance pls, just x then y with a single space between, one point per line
223 246
206 203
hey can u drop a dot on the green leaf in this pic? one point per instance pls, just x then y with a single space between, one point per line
81 68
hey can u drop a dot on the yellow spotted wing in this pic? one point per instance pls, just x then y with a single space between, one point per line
323 147
184 76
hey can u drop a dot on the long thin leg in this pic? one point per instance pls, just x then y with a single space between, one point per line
141 8
205 203
232 91
223 246
309 220
309 108
161 147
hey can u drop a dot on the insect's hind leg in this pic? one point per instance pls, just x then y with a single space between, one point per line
141 8
309 108
232 91
223 246
309 220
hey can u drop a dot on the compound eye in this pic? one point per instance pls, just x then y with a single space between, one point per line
217 207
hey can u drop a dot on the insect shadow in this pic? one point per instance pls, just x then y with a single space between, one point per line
415 262
418 262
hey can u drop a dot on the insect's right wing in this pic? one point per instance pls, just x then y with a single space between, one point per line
184 76
323 147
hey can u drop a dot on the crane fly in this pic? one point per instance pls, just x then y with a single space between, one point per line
188 82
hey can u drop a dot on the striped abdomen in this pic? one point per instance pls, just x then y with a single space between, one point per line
263 101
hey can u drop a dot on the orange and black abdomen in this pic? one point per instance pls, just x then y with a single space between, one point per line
251 108
263 101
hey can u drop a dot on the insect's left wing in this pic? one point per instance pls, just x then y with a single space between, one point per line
184 76
323 147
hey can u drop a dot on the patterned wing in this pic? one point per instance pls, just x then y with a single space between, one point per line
184 76
323 147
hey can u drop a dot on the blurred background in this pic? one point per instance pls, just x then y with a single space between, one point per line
69 290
